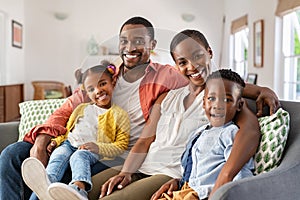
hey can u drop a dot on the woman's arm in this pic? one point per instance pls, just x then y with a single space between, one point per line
263 96
244 146
137 154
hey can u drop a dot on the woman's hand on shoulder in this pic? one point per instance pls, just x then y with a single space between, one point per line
168 187
267 97
119 181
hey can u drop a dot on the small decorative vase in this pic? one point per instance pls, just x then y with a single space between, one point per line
92 47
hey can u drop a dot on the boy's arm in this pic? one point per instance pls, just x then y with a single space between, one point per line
244 146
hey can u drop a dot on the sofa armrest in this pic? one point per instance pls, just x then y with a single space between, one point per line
280 183
9 133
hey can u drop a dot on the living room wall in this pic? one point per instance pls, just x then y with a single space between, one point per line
12 65
256 10
54 48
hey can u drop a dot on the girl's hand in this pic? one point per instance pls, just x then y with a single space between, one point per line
90 146
51 146
168 187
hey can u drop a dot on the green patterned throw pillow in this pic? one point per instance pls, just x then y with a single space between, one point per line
274 130
36 112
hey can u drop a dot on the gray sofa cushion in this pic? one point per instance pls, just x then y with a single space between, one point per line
9 133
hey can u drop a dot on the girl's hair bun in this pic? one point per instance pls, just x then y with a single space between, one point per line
111 68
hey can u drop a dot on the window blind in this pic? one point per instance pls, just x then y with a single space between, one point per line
239 24
286 6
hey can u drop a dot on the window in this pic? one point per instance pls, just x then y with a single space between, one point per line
240 51
291 55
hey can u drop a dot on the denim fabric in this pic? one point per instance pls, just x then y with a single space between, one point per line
186 158
80 163
209 154
11 183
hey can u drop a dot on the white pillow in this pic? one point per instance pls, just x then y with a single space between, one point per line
274 130
36 112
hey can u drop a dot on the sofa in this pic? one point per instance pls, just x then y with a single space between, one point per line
281 183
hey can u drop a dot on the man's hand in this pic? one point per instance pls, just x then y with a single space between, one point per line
168 187
267 97
121 180
39 148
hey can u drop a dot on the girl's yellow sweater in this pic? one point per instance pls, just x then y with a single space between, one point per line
113 130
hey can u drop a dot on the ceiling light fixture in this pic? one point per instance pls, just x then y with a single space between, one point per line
187 17
61 15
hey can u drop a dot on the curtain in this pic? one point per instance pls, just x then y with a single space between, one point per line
239 24
286 6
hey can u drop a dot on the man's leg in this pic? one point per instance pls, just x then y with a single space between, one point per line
141 189
11 182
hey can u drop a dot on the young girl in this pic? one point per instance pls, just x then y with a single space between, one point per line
98 130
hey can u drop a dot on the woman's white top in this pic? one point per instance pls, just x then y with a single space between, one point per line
173 132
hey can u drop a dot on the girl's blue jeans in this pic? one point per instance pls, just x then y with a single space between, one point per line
11 182
80 163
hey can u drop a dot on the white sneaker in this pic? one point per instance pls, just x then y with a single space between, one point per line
61 191
35 176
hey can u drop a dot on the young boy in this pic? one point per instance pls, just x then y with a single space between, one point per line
210 145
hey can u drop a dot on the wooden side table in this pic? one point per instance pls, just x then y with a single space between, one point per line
10 97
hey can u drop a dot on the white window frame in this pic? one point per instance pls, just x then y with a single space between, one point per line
240 43
290 23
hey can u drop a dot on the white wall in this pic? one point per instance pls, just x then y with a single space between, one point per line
12 64
256 9
54 49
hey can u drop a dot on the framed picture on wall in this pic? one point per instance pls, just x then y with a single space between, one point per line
251 78
17 32
258 43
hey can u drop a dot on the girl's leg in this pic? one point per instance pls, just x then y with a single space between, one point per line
81 162
59 161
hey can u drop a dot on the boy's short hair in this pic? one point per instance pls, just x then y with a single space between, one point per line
228 74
